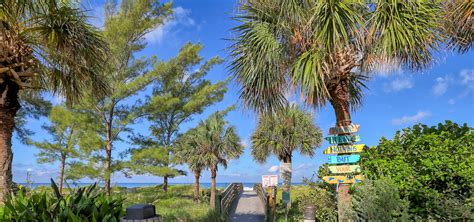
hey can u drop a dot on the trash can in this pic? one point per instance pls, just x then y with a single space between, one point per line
140 213
309 214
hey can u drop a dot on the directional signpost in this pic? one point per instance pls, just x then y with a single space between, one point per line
343 162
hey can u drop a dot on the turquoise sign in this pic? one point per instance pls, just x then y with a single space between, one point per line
343 139
343 159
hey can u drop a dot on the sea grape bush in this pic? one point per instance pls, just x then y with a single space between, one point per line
82 204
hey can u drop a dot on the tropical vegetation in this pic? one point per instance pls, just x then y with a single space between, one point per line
82 204
290 130
49 45
215 142
431 166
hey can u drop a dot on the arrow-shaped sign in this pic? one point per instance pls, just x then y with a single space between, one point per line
343 179
344 169
353 128
343 159
357 148
343 139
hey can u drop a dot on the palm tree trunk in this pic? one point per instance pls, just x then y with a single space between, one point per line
340 102
197 174
213 186
9 106
61 174
285 175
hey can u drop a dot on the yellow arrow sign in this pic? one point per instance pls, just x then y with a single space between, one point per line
343 179
357 148
344 169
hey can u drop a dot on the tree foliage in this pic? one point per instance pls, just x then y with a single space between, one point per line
431 166
179 93
287 131
126 24
324 50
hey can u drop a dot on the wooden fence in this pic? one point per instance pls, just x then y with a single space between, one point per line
263 195
227 197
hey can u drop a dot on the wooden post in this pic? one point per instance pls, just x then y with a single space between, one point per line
271 203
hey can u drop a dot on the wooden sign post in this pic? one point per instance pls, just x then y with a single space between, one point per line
342 163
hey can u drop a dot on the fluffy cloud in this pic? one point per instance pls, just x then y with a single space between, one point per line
181 16
441 85
273 169
399 84
411 119
467 78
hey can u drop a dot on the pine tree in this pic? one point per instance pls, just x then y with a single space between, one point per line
65 131
180 93
125 28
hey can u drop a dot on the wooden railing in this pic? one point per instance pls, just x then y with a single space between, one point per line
228 196
263 195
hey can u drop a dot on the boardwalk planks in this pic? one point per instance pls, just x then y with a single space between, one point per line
357 148
343 139
343 159
344 169
343 179
353 128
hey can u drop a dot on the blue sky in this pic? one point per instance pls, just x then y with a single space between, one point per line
392 102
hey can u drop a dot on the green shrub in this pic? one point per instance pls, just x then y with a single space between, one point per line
82 204
378 200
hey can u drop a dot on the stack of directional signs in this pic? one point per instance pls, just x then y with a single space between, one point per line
344 158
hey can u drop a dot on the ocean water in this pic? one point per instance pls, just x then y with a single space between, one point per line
247 186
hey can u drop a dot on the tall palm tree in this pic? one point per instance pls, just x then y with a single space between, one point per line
216 142
44 44
289 130
325 49
186 152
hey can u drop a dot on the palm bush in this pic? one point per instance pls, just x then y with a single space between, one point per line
82 204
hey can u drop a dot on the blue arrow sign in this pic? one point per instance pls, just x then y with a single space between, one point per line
343 159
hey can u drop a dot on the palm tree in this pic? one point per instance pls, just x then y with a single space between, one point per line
215 141
325 49
289 130
186 149
43 44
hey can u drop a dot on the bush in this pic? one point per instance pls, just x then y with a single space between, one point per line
82 204
322 199
378 200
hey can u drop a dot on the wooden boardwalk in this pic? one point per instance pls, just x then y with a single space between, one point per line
248 207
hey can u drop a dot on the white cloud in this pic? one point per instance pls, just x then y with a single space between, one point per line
451 101
441 85
399 84
181 16
273 169
411 119
245 143
467 78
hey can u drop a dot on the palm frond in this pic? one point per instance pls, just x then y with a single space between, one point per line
459 24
